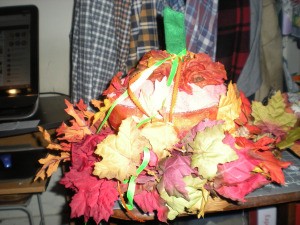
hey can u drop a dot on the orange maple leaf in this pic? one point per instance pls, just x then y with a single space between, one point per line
50 164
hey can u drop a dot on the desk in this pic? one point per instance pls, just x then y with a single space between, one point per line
49 115
16 193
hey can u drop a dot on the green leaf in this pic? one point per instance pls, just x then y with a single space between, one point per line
198 196
292 136
209 151
273 114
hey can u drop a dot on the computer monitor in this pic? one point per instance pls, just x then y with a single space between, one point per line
19 71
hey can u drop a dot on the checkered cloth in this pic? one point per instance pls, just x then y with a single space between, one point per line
233 40
111 36
144 35
122 10
94 53
201 26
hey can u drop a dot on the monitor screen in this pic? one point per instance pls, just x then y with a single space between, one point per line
18 50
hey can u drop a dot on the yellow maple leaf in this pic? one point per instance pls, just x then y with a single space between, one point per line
230 108
209 151
162 137
103 107
121 154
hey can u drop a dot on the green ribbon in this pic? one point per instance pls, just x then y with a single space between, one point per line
175 36
132 184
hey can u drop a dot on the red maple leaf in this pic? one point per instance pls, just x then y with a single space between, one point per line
116 85
238 191
150 202
174 169
93 197
96 200
235 179
261 150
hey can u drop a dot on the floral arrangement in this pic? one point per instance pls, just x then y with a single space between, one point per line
166 137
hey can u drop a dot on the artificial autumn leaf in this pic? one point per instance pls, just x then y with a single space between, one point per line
95 200
103 107
230 108
263 143
197 196
174 169
120 153
189 137
245 110
161 143
79 119
273 118
271 165
50 164
70 134
237 192
47 137
154 98
235 179
261 151
292 136
150 201
115 86
82 108
93 197
209 151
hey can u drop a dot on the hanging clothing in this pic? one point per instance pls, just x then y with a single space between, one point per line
112 36
233 40
271 52
94 54
144 35
250 79
122 15
201 22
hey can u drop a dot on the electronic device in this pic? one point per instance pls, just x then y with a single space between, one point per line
19 67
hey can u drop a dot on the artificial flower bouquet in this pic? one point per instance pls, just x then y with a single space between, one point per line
167 136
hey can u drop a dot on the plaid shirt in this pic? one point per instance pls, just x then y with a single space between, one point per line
111 36
233 45
94 52
144 35
201 26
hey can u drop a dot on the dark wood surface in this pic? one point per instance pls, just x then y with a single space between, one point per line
50 114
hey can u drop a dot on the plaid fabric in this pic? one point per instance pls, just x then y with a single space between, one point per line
93 48
144 35
201 25
178 5
122 14
233 40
